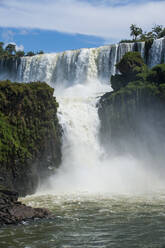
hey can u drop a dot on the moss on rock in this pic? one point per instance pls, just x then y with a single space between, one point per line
134 113
131 67
30 136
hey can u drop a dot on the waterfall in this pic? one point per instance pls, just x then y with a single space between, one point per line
86 166
80 77
77 66
81 150
157 52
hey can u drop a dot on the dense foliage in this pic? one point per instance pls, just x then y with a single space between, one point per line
28 129
133 70
138 35
9 51
133 115
131 67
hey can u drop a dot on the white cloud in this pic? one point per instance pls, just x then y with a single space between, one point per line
19 48
75 16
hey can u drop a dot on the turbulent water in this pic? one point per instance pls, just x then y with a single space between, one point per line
89 221
99 200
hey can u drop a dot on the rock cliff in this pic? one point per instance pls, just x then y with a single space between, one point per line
133 115
30 135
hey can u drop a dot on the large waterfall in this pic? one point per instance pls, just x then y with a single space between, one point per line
86 167
97 199
78 66
79 78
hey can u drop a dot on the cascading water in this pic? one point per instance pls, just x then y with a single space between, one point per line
92 219
78 65
86 166
79 77
157 52
71 66
82 152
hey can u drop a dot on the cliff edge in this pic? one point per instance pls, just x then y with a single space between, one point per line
133 114
30 135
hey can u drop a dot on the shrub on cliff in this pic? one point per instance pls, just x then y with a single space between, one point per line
117 82
131 64
131 67
157 74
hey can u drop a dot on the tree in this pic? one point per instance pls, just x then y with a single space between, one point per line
131 64
131 67
30 53
20 53
135 31
157 74
40 52
150 35
156 30
10 49
162 33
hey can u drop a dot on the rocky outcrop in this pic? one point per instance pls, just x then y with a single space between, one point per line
133 119
13 212
30 135
133 115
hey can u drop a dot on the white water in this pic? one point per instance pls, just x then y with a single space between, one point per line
71 66
78 66
79 77
86 167
157 52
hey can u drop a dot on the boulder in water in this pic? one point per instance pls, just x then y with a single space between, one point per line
13 212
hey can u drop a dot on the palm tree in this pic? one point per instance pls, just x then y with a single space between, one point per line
156 30
135 31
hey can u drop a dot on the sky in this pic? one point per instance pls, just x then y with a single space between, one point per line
58 25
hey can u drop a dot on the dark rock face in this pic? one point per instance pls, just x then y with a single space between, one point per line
14 212
30 135
133 115
133 120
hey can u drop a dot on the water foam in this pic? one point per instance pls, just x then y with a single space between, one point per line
86 167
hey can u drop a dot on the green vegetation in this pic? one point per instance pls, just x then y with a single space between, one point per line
133 114
10 52
131 64
157 75
29 132
135 31
133 70
158 31
138 35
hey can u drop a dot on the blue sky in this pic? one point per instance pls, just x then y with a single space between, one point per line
47 40
57 25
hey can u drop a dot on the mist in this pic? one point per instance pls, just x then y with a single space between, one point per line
126 165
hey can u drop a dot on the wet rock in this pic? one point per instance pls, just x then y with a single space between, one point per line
30 135
13 212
